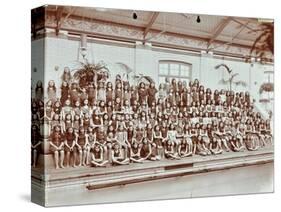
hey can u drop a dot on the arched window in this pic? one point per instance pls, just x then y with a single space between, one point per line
170 69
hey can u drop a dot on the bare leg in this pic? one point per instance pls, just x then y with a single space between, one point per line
84 157
67 158
74 158
105 153
136 160
224 142
80 157
103 163
88 156
56 156
61 158
109 156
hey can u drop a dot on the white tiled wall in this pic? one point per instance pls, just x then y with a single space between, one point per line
61 52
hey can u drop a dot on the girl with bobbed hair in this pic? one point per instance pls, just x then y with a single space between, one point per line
69 144
82 147
57 146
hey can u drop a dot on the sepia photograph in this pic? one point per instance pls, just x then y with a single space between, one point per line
133 105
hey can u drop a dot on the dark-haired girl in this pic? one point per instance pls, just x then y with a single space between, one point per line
199 146
109 92
268 132
153 108
215 145
66 109
67 123
66 76
82 147
138 135
52 91
142 93
223 136
250 143
74 93
162 92
117 157
134 95
64 92
101 92
69 145
102 108
76 110
150 139
122 138
173 86
201 96
98 159
262 133
172 135
55 121
143 120
187 137
85 108
126 109
118 105
169 150
86 121
135 153
118 92
76 123
57 107
92 94
109 109
184 97
96 119
56 146
49 113
157 139
126 94
183 149
101 139
237 138
83 95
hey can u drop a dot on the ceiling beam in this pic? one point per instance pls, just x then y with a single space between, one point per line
218 30
150 23
244 24
59 13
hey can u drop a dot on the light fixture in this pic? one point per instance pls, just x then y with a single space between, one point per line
198 20
83 47
135 16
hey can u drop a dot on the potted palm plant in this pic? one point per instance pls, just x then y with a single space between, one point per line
87 72
231 80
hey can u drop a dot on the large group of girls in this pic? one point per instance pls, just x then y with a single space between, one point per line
101 123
